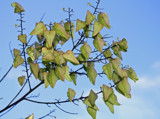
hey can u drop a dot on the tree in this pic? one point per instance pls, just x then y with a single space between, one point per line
48 62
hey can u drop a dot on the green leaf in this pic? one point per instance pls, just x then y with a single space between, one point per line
39 29
108 70
16 52
92 112
18 8
40 74
60 30
103 19
48 54
18 60
73 77
87 29
71 93
69 27
82 59
87 103
38 46
49 35
91 72
80 25
56 40
22 38
45 76
123 45
69 55
124 88
67 76
92 98
30 117
116 64
52 78
116 50
35 69
86 50
40 37
59 59
33 53
113 99
97 28
98 43
107 91
89 17
21 80
115 77
60 72
132 74
109 105
107 53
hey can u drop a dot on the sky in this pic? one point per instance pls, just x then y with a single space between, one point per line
135 20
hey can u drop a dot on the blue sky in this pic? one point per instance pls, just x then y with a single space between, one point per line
137 21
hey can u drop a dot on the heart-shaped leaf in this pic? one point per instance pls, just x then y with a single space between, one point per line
108 70
132 74
97 28
123 45
86 50
92 98
16 52
116 64
18 60
21 80
71 93
52 78
35 69
92 112
91 72
39 29
69 27
18 7
80 25
107 91
98 43
60 72
89 17
59 59
49 35
22 38
103 19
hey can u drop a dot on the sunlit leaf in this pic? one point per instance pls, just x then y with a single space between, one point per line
73 77
71 93
60 72
107 53
56 40
45 76
92 98
115 77
18 8
92 112
108 70
60 30
107 91
33 53
40 74
91 72
87 103
67 76
35 69
82 59
69 27
123 45
86 50
97 28
52 78
115 48
116 64
48 54
49 35
89 17
80 25
87 29
113 99
132 74
103 19
16 52
39 29
18 60
22 38
59 59
30 117
109 105
21 80
98 43
69 55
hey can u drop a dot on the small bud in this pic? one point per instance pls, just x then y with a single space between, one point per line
63 9
16 25
89 3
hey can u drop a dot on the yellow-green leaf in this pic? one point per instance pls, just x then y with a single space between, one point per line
123 45
67 76
30 117
18 60
116 64
60 30
60 72
59 59
109 105
132 74
87 103
52 78
91 72
35 69
98 43
107 53
87 30
49 35
107 91
108 70
103 19
86 50
92 112
69 55
18 8
92 98
21 80
39 29
71 93
97 28
73 77
69 27
82 59
113 99
80 25
33 53
115 48
45 76
22 38
115 77
89 17
16 52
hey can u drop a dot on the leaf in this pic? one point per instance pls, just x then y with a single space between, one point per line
21 80
38 46
109 105
80 25
103 19
56 40
97 28
73 77
39 29
30 117
49 35
115 77
18 8
60 30
86 50
98 43
116 64
45 75
92 112
18 60
124 88
89 17
69 55
60 72
67 76
113 99
91 72
107 91
22 38
87 29
116 50
40 37
123 45
16 52
69 27
87 103
71 93
107 53
92 98
82 59
35 69
59 59
33 53
52 78
48 54
108 70
132 74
